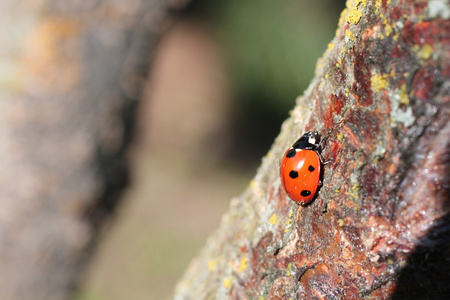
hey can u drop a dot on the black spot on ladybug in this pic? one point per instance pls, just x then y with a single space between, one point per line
293 174
291 153
311 168
305 193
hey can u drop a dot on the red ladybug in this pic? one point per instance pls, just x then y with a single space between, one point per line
301 168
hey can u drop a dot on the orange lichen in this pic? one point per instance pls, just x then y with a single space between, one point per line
48 61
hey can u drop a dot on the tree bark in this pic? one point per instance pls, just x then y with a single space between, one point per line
380 225
72 75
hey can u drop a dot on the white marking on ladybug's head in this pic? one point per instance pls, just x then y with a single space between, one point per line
312 139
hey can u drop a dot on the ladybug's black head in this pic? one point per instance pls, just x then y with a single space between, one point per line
309 141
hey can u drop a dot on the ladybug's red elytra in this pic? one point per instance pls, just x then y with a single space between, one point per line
301 168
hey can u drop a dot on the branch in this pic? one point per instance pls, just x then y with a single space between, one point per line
380 225
72 75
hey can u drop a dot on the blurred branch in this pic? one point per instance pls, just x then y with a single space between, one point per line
380 226
73 74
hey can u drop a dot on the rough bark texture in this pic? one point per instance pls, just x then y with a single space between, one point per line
71 75
380 226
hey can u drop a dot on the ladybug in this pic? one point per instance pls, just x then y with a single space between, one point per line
301 168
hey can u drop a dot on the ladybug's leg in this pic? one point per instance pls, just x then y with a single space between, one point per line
326 161
322 160
321 146
324 140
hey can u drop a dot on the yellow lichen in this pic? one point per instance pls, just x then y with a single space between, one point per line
348 33
354 15
227 282
289 222
378 5
330 46
289 270
212 264
395 37
359 2
243 264
387 29
425 52
354 191
273 219
404 99
379 82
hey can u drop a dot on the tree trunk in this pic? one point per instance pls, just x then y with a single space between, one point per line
379 227
72 74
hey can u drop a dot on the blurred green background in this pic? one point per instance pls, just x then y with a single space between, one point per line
222 81
271 48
